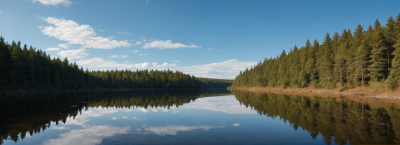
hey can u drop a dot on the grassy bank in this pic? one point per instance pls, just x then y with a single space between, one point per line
376 90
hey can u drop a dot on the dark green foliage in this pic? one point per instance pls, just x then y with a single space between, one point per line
351 59
31 69
215 83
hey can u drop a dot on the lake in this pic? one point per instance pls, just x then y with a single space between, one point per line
196 117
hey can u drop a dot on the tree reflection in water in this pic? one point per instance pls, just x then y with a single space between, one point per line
337 119
33 113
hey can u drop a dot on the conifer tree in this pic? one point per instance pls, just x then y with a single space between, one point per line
378 67
5 64
326 64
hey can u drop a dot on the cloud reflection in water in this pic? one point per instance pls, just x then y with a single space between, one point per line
87 136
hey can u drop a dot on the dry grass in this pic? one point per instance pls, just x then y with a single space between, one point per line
373 89
376 102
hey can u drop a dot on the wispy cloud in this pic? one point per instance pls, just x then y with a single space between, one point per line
0 11
143 54
124 33
73 54
63 45
73 33
165 44
99 63
135 51
223 70
118 56
174 129
213 49
227 104
87 136
59 127
53 2
114 56
53 49
101 30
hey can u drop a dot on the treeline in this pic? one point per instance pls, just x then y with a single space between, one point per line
351 58
31 69
338 121
215 83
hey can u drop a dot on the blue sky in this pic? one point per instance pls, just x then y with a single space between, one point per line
204 38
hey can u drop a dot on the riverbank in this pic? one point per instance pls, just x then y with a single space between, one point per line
375 90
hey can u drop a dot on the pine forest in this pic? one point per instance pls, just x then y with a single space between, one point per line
351 59
31 69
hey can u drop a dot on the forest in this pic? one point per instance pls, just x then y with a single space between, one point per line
215 83
338 120
350 59
23 68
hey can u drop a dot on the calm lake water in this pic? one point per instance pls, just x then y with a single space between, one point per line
189 117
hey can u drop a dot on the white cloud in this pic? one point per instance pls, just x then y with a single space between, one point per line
63 46
155 109
0 11
53 2
213 49
223 70
53 49
227 104
101 30
117 56
175 61
99 112
73 33
164 44
135 51
59 127
174 129
79 120
99 63
114 56
113 118
87 136
72 54
138 43
147 1
124 117
124 33
236 124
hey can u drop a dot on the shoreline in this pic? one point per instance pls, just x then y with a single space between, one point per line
337 91
101 89
90 90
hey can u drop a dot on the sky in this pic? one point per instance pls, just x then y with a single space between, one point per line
204 38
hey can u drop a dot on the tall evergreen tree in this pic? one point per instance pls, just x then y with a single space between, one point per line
378 67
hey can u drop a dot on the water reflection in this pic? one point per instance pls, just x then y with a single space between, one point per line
30 114
174 129
165 117
338 119
87 136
